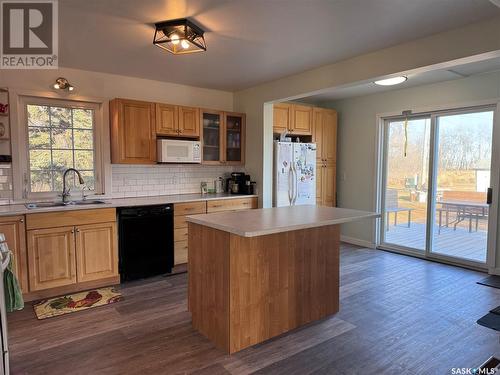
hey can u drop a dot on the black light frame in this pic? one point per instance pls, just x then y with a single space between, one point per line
191 32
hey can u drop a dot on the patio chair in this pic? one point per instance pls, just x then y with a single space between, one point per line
392 206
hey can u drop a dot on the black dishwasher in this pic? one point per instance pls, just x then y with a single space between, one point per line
146 241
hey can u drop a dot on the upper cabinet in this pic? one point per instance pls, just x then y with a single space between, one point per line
189 122
223 138
167 119
282 117
302 120
234 143
177 121
212 136
293 119
135 125
133 132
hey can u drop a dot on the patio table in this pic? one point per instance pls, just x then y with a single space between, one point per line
464 210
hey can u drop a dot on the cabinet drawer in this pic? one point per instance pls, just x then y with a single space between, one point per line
180 222
65 218
180 252
190 208
180 234
231 204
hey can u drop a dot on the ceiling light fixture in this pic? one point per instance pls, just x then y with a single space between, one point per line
63 84
180 36
391 81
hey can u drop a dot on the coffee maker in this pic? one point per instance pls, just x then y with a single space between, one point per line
240 183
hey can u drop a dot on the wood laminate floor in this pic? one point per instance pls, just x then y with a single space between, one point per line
398 315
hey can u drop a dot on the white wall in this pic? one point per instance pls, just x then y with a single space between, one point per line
357 134
434 52
102 87
109 86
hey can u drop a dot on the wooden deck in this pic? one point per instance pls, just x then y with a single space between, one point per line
457 243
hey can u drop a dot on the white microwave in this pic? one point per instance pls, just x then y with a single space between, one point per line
176 151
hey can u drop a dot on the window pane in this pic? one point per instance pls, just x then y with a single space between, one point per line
62 138
62 159
39 137
82 118
60 117
59 138
89 178
57 175
41 181
84 160
84 139
38 115
40 159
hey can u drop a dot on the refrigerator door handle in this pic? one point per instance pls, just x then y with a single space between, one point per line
295 183
290 182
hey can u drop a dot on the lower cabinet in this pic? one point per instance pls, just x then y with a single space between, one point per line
51 258
68 249
96 252
15 234
181 210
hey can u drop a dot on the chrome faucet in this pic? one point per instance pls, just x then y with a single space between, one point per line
65 192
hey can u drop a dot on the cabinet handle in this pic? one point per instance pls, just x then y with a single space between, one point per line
77 230
72 231
21 220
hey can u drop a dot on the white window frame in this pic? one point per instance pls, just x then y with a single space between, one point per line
23 146
493 104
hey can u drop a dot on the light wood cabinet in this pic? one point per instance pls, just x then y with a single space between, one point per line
51 258
96 251
72 249
136 124
302 120
181 210
325 137
13 227
177 121
282 117
189 122
293 119
218 205
223 137
167 120
133 132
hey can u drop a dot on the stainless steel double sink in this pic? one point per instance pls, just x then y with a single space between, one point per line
61 204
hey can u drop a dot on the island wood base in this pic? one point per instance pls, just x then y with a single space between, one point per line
245 290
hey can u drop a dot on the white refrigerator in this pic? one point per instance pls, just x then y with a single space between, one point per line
294 173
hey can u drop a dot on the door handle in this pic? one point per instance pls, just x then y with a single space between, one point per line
290 178
489 196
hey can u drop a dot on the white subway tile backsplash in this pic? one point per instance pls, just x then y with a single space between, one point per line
137 181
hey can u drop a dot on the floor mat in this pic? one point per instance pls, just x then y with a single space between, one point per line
490 320
493 281
76 302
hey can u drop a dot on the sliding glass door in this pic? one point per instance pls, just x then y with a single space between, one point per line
407 171
436 179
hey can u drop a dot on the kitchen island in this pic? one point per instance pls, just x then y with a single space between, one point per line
255 274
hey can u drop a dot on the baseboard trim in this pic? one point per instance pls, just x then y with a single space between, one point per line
357 241
494 271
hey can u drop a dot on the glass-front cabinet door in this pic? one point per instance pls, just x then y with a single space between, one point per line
234 138
212 131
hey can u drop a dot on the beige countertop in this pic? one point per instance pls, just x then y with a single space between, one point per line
252 223
21 209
